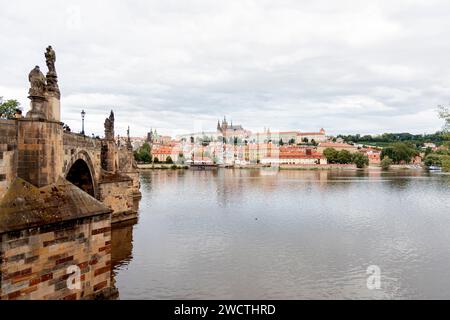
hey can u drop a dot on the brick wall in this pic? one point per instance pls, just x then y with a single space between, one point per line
8 155
34 262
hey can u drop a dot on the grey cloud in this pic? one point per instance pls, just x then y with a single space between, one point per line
347 66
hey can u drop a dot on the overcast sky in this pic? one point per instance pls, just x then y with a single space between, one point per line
179 66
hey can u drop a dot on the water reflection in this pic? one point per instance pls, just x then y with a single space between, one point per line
121 248
251 234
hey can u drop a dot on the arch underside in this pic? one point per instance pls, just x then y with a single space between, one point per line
80 175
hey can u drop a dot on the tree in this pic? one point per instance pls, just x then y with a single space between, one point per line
292 141
428 151
136 155
360 160
169 160
444 113
181 159
146 147
344 157
386 163
143 154
446 164
8 108
331 154
433 160
399 152
155 160
281 142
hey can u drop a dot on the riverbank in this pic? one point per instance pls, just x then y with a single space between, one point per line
305 167
162 166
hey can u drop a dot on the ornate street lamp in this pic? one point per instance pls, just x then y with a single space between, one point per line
82 121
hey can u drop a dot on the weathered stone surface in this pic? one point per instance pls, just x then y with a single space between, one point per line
8 153
25 205
109 127
37 83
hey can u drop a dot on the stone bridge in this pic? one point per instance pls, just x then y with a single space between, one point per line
39 149
60 194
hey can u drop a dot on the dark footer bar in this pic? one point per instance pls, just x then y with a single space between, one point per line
180 310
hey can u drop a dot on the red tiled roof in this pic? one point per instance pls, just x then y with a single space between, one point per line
311 134
335 145
297 155
162 150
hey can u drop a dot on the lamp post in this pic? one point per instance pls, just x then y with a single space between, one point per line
82 121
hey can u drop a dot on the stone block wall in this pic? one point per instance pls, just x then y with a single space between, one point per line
34 262
128 167
8 155
40 151
110 156
118 196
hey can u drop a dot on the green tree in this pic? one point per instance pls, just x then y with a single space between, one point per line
428 151
146 147
444 113
169 160
399 152
281 142
181 159
155 160
8 108
386 163
331 154
344 157
433 160
292 141
446 164
143 154
360 160
137 156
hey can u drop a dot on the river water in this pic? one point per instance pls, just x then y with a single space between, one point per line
257 234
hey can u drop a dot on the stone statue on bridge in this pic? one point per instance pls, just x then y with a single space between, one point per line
109 127
37 83
50 57
52 77
129 145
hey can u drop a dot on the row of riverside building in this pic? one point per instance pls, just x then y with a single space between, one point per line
233 145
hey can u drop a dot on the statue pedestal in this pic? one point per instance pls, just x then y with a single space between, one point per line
53 107
37 108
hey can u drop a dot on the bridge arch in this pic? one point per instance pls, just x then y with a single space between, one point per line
81 173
